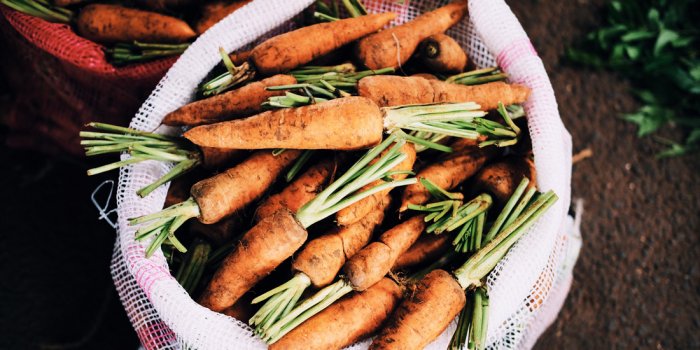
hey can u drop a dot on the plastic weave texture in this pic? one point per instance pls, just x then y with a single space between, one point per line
528 286
64 81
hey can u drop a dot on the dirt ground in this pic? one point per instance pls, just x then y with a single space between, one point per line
636 283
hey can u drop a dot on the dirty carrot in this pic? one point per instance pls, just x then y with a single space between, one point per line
501 178
391 90
394 46
440 296
113 23
284 238
215 198
426 248
216 11
241 102
442 54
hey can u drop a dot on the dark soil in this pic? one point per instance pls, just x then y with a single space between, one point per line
636 283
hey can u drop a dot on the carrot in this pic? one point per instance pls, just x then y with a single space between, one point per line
298 47
448 172
427 248
442 54
214 12
394 46
345 124
299 192
346 321
436 302
233 104
427 76
324 256
241 310
260 251
501 178
374 261
239 57
357 211
439 296
113 23
388 90
224 194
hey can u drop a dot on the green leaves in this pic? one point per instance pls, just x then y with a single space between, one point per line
653 43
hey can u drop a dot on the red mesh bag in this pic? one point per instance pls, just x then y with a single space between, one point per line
62 81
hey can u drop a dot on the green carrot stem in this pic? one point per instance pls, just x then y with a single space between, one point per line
507 209
325 17
524 201
481 263
506 116
127 131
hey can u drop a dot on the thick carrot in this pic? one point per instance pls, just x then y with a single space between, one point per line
299 192
345 124
437 301
440 53
394 46
324 256
428 247
357 211
293 49
237 58
501 178
346 321
447 172
390 90
233 104
114 23
374 261
260 251
216 11
229 191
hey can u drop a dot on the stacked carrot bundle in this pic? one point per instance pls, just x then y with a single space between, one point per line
345 135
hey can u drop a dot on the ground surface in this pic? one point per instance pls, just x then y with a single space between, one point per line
636 283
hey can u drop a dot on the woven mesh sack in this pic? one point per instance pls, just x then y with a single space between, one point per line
526 289
64 81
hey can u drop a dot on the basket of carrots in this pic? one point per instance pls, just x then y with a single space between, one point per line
383 174
72 60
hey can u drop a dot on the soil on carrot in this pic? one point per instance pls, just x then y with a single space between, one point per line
635 284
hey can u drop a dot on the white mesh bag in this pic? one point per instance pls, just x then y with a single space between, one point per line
526 289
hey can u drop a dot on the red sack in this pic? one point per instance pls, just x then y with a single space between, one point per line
62 81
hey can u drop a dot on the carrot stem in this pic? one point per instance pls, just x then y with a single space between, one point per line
507 209
164 225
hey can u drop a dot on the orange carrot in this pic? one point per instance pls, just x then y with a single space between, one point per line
428 247
501 178
374 261
442 54
357 211
346 124
448 172
214 12
299 192
394 46
215 158
224 194
260 251
390 90
233 104
437 301
113 23
239 57
346 321
298 47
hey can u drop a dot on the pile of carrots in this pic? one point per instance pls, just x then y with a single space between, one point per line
328 179
133 31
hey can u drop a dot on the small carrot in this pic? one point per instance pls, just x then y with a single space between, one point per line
241 102
394 46
448 172
442 54
389 90
501 178
113 24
